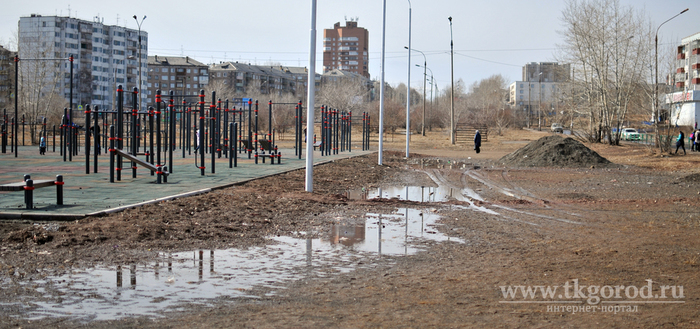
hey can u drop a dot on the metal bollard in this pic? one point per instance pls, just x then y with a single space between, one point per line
29 193
59 190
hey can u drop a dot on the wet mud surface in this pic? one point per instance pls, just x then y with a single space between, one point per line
313 259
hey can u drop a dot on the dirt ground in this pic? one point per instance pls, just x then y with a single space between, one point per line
543 226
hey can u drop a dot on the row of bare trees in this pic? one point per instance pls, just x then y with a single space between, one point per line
611 50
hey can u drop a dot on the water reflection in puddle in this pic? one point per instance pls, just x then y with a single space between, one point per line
414 193
198 277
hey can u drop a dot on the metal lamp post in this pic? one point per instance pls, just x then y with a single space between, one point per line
539 99
452 98
656 84
408 94
425 80
424 66
140 85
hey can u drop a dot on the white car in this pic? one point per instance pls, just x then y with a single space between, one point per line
629 134
557 128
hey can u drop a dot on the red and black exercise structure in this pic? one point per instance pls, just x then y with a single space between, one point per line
336 131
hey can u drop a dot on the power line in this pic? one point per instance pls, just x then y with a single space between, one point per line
486 60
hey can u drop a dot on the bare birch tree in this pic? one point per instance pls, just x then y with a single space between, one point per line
608 46
40 81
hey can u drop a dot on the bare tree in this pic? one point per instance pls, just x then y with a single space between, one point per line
608 46
345 94
41 83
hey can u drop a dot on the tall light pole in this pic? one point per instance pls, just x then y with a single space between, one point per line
380 157
425 65
310 96
140 85
408 94
539 99
656 84
425 80
432 83
452 98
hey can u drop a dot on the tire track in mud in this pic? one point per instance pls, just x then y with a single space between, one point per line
477 203
523 195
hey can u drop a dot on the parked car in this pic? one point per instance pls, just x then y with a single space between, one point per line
557 128
629 134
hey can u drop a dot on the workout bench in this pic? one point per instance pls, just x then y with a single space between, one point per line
28 186
266 145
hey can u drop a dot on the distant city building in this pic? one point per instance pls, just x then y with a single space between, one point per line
685 107
542 84
7 78
346 48
551 72
245 78
688 63
104 56
182 75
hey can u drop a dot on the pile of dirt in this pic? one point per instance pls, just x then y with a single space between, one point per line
554 151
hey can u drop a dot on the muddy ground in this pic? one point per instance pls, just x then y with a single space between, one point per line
530 226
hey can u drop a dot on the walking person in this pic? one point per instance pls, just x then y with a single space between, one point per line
42 146
691 142
196 137
477 142
680 143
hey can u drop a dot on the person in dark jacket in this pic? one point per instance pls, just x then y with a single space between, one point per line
42 146
477 142
680 143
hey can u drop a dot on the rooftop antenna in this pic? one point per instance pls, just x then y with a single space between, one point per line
182 51
117 19
69 10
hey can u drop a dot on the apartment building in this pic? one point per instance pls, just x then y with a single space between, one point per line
7 78
104 56
346 48
245 78
685 101
182 75
541 83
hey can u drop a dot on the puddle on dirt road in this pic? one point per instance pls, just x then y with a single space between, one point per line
412 193
201 276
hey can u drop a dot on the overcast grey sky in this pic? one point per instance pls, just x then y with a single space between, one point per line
490 37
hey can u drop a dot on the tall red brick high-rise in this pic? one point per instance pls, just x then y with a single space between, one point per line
346 48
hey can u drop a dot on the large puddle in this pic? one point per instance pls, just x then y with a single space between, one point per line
413 193
206 275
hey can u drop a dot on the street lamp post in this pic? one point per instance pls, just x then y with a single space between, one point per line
425 65
140 85
656 84
408 94
452 98
529 100
539 99
425 80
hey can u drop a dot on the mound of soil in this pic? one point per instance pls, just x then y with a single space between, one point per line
554 151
